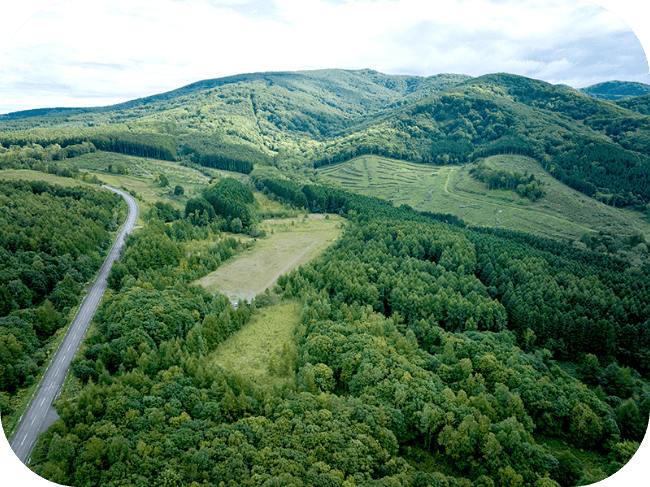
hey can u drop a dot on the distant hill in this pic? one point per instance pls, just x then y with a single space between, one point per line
616 90
297 121
366 87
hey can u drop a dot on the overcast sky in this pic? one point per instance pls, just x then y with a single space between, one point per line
100 52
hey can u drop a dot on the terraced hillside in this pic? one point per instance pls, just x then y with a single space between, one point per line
562 214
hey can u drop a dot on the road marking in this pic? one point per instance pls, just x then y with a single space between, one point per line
54 376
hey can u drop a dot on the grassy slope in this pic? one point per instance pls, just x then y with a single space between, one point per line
27 175
562 214
141 177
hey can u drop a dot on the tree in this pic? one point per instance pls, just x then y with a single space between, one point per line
179 190
65 293
6 301
47 319
570 469
236 225
164 182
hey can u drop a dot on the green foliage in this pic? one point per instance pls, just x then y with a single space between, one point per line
526 186
213 151
640 104
199 211
286 190
51 242
232 200
416 333
164 211
304 119
616 90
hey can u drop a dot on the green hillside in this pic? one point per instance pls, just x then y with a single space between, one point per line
563 213
297 121
616 90
418 327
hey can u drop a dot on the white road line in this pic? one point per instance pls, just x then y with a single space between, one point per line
53 379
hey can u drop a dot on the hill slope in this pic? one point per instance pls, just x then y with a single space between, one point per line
300 120
616 90
562 213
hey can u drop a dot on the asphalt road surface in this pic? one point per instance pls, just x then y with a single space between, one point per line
40 414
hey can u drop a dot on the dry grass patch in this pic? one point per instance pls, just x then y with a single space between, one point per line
288 244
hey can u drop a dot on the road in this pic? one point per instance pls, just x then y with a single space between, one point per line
41 414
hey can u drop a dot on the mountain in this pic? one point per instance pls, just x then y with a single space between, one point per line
418 349
367 88
301 120
616 90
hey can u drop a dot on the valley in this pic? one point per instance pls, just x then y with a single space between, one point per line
321 291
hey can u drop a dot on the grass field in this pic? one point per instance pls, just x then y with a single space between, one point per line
264 339
289 243
144 168
142 174
27 175
141 178
563 213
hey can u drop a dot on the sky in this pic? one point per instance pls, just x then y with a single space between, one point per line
101 52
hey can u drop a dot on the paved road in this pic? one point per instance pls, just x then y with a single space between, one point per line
40 414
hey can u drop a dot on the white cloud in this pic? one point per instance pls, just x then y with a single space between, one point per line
89 52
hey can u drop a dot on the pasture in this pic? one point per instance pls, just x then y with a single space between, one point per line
563 214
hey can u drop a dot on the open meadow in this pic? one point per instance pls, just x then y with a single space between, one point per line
261 344
28 175
563 214
289 243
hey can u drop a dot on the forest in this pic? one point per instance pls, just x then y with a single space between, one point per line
303 120
52 241
526 186
424 351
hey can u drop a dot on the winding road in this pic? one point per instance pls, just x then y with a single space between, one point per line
41 414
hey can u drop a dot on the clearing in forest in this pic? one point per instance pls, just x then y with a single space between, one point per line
140 177
266 340
562 214
288 244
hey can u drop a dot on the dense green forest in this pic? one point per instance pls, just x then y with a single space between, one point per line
526 186
302 120
52 241
426 353
616 90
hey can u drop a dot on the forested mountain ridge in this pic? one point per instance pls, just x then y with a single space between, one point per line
368 89
616 90
308 119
